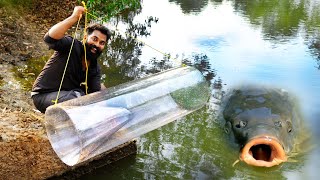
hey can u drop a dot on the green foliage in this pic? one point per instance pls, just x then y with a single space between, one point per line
105 9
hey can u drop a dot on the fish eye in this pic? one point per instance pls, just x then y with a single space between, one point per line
241 124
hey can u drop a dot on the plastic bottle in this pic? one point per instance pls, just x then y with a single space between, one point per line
88 126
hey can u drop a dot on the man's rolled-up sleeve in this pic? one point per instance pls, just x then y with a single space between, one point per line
58 45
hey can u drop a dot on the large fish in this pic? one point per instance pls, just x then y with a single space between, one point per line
264 122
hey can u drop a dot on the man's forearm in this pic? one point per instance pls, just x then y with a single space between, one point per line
58 30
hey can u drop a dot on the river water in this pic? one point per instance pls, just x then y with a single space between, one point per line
271 42
267 42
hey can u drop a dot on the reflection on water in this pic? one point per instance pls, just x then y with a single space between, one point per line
27 74
191 6
278 19
264 42
269 42
120 62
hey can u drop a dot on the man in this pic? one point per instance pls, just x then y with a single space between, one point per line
46 86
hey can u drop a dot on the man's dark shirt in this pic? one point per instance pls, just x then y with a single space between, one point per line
51 75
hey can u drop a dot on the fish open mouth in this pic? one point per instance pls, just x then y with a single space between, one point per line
263 151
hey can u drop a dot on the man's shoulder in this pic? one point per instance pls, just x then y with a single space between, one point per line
67 38
62 44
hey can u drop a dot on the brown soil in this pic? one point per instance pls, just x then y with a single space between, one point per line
25 152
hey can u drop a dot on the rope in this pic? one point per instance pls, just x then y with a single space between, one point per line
65 68
84 46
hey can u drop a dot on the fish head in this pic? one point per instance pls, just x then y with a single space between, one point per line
265 138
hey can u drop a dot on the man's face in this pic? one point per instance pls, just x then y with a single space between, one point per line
95 44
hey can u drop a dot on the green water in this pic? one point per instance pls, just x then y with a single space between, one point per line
232 42
27 74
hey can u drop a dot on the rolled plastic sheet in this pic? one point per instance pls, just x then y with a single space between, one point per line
85 127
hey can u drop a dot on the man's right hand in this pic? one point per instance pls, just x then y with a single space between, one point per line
78 11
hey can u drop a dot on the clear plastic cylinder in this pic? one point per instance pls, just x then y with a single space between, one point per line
85 127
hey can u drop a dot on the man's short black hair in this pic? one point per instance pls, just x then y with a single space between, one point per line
104 30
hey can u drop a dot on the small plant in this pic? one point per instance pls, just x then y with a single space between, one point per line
105 9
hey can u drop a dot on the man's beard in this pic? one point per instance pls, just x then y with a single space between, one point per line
90 55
